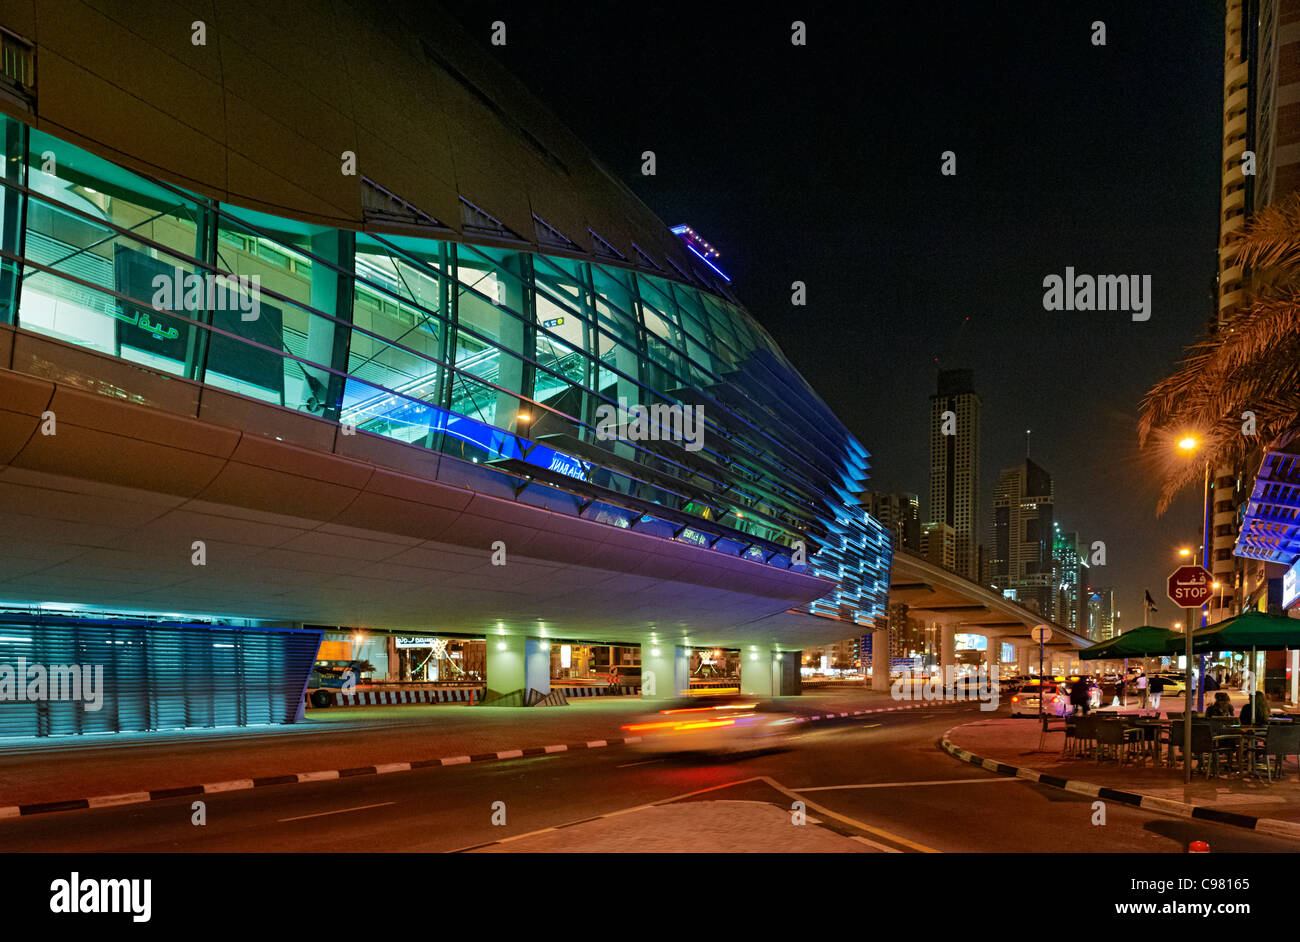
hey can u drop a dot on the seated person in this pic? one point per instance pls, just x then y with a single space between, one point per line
1222 705
1256 711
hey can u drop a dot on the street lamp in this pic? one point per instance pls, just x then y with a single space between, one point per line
1191 444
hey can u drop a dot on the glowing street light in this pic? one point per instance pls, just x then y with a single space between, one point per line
1189 443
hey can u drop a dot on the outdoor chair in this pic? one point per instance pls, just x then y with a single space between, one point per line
1085 735
1053 724
1209 747
1280 740
1148 743
1115 740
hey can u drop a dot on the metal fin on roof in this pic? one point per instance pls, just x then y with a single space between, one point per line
549 235
381 204
476 220
606 250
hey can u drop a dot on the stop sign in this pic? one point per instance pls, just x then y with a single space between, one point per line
1189 586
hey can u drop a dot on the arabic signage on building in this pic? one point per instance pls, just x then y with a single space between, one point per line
1291 585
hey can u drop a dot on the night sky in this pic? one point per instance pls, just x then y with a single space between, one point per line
822 164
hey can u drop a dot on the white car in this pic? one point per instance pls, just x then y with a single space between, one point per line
1055 703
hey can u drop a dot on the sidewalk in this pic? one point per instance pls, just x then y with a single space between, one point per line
1014 742
40 771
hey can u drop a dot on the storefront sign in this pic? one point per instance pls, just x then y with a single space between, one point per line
1291 585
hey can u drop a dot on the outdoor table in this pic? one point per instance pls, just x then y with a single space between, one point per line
1152 729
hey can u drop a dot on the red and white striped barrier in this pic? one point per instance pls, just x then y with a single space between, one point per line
620 691
378 697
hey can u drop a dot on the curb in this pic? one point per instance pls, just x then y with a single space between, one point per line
1177 809
293 778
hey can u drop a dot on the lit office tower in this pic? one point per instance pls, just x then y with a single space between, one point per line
1261 88
955 465
1023 565
1071 570
898 513
1101 614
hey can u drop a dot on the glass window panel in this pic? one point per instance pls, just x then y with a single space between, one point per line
565 346
290 271
80 199
398 339
12 170
491 303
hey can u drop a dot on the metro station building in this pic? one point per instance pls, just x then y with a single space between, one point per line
306 320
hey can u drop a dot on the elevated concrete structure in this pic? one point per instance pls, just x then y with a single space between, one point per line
959 605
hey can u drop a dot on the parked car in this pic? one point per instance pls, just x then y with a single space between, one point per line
1055 701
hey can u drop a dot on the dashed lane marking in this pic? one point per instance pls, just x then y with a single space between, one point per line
322 814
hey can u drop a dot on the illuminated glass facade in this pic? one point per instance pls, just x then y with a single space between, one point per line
496 355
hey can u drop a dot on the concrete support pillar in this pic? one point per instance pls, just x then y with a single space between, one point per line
505 664
1022 657
518 663
993 654
756 673
537 665
665 670
790 682
948 645
880 659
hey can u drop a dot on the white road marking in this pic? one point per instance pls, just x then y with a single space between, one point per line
951 781
629 765
303 817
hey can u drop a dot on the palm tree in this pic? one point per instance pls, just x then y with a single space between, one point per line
1251 363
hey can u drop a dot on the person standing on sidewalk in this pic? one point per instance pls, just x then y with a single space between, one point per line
1142 689
1157 687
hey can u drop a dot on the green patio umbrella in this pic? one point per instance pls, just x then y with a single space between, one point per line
1142 641
1248 630
1099 651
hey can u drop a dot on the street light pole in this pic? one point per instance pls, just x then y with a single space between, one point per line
1187 699
1205 563
1040 679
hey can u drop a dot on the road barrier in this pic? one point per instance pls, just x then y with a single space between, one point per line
606 691
393 697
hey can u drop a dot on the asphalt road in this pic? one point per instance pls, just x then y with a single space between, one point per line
879 778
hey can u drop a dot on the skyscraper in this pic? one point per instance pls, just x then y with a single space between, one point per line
939 545
1023 537
1261 165
1101 614
1069 590
955 465
898 511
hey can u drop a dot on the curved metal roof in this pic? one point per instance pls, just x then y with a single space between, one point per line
260 114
